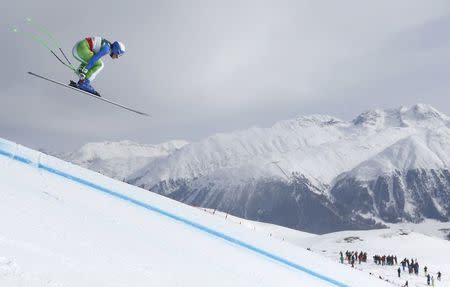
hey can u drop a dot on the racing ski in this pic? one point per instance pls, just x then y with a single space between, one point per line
89 94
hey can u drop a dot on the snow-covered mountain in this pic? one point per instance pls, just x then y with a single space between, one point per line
120 159
315 173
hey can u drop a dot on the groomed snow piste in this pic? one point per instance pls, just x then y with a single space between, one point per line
62 225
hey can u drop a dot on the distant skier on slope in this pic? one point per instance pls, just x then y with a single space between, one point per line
89 52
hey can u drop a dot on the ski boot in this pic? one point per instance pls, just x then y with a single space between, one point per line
85 85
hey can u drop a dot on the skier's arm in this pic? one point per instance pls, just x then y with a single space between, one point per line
103 51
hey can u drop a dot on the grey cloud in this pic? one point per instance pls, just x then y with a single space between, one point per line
210 66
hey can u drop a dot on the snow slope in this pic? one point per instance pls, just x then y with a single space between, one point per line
413 152
429 251
424 242
62 225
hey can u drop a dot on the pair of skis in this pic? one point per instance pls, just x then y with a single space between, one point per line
66 63
89 94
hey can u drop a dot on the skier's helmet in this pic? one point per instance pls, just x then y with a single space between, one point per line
117 48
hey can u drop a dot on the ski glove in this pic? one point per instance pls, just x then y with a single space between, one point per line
82 71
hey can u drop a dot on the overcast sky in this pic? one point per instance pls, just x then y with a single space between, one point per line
201 67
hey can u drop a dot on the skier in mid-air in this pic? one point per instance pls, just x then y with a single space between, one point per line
89 52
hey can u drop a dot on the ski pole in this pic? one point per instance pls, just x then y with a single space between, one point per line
43 43
43 30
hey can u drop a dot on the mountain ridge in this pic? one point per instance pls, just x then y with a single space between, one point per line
314 154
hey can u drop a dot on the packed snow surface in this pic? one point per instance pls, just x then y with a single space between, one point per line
62 225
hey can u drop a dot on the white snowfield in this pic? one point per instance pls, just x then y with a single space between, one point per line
62 225
424 242
403 243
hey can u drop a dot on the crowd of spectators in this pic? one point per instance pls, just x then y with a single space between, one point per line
353 256
406 265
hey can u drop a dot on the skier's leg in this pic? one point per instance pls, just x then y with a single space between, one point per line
82 53
95 70
90 76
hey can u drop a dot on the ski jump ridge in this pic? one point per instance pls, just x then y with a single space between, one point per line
170 215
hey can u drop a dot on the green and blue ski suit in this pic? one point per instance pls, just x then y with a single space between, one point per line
89 52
